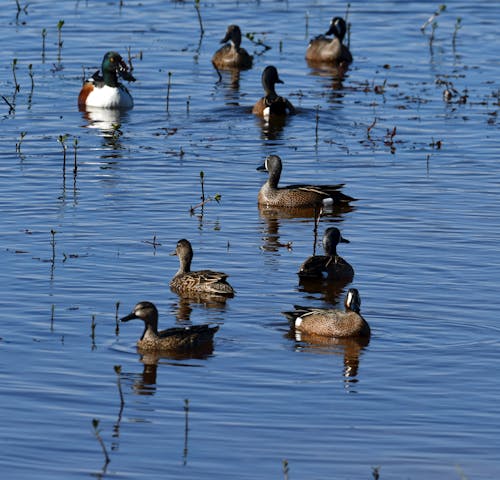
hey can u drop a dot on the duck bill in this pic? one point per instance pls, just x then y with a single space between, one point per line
226 38
262 168
130 316
124 72
344 240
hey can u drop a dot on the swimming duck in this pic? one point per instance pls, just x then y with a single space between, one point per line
329 265
106 91
176 338
186 282
296 196
330 50
272 104
331 322
231 55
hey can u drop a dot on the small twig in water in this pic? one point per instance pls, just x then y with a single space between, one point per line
75 164
30 73
433 31
389 139
202 178
317 124
60 24
458 26
53 243
16 85
62 140
204 199
117 319
118 370
11 107
258 43
168 88
92 330
44 35
197 6
186 429
369 129
431 19
97 433
286 469
18 144
348 7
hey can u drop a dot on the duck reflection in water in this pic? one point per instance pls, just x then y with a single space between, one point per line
108 122
350 348
273 217
184 306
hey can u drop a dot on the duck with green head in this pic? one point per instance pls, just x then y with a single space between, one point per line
106 91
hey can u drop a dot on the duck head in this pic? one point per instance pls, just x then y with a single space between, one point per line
145 311
353 300
270 78
337 28
331 238
233 34
113 66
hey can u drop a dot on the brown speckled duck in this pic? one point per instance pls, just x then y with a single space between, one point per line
272 104
330 322
296 196
323 49
186 282
177 338
330 265
232 55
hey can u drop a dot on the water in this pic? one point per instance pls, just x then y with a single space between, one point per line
419 401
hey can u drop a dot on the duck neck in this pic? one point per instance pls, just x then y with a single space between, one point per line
185 264
110 77
150 330
270 91
274 178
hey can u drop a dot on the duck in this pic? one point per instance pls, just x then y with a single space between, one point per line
296 196
105 91
331 322
232 55
330 265
324 49
185 282
177 338
272 104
